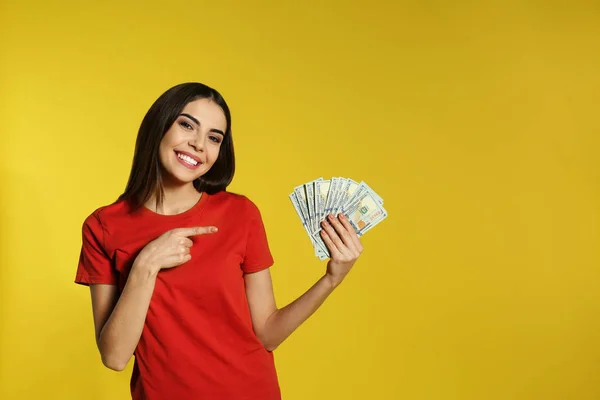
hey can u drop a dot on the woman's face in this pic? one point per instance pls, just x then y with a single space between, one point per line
191 145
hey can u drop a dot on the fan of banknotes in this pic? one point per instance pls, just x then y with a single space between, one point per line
315 200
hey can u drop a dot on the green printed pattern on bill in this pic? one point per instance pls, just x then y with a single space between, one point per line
316 199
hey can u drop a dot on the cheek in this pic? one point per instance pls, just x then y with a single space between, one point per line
214 153
163 155
164 147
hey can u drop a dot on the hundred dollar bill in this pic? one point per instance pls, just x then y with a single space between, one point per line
321 191
360 189
329 198
365 212
302 203
318 252
316 199
331 195
320 243
335 196
301 196
296 204
351 189
358 192
310 200
341 196
355 201
374 194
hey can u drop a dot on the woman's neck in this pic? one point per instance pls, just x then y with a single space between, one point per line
177 199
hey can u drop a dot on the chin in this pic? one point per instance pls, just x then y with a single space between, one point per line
184 179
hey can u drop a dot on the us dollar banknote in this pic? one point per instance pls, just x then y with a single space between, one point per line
315 200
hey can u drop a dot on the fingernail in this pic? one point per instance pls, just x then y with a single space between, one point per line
340 215
330 216
214 229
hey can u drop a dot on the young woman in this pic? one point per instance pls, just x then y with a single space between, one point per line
178 268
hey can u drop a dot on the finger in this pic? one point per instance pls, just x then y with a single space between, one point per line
333 236
177 259
183 258
333 251
199 230
341 231
353 235
186 242
184 250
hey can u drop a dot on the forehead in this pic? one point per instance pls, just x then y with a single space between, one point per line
207 112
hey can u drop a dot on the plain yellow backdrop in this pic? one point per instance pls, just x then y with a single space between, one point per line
477 122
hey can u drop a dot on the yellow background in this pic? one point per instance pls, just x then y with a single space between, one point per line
477 122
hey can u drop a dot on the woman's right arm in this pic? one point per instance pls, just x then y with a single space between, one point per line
119 320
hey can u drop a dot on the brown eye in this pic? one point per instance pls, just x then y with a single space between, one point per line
185 125
215 139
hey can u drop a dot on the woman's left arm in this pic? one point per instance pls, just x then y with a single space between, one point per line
273 325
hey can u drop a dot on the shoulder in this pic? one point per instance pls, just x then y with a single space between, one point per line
237 203
106 214
234 199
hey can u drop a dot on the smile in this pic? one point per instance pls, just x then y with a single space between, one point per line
187 160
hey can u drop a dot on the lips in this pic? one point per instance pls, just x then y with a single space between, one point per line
188 160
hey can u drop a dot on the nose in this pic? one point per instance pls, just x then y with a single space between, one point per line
197 143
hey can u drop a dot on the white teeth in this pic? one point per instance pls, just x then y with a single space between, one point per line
187 159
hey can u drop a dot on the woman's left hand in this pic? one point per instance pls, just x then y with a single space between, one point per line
343 244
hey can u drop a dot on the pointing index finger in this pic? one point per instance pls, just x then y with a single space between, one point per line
199 230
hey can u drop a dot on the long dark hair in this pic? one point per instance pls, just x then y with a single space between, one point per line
145 178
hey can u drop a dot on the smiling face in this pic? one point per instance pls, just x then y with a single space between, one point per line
191 146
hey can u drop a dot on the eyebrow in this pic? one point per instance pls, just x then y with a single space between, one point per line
198 123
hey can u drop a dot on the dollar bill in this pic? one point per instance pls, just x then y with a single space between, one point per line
365 212
297 206
329 200
318 198
321 191
310 200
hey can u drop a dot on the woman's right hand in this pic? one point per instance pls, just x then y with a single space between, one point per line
170 249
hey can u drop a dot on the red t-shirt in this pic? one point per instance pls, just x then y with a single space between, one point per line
198 341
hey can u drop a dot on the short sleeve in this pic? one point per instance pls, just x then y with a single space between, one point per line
95 266
258 255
